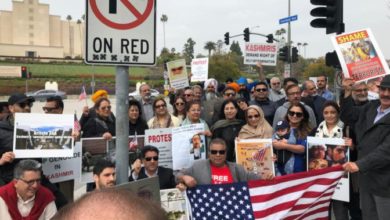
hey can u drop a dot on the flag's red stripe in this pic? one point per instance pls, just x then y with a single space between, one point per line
304 208
296 188
312 212
295 176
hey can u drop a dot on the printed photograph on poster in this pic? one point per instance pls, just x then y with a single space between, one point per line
199 69
162 139
255 155
60 169
136 143
43 135
148 188
177 73
327 152
360 56
174 203
188 145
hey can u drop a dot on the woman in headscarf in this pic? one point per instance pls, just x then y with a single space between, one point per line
256 126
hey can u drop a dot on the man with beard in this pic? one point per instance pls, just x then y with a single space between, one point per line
104 174
313 100
372 122
276 92
353 96
146 102
322 82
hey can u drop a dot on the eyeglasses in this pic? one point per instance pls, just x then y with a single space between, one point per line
295 93
253 116
155 158
360 90
25 104
261 90
49 109
220 152
31 182
187 94
297 114
177 69
230 94
179 103
160 106
106 107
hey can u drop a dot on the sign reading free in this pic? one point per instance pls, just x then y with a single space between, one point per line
121 32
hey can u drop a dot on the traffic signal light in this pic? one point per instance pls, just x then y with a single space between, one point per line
294 55
330 15
246 34
284 53
227 38
24 72
270 38
331 59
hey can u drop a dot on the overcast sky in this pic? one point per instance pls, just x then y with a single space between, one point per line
209 20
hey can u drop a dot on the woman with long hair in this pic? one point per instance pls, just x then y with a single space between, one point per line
162 118
179 107
137 124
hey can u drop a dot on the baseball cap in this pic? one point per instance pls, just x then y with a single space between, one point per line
17 98
282 125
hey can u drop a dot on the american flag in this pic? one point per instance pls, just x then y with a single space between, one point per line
83 94
76 124
133 143
260 154
303 195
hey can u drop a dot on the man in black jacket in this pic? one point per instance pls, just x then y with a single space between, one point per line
372 130
151 168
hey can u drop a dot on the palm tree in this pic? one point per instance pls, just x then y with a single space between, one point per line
164 19
69 18
210 46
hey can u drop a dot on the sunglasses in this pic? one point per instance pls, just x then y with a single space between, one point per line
297 114
261 90
187 94
177 69
155 158
31 182
230 94
220 152
253 116
49 109
24 104
106 107
160 106
179 103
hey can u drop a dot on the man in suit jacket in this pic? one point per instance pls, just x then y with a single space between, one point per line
372 130
151 168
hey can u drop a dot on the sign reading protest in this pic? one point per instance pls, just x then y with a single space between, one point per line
199 69
263 53
162 139
360 56
121 32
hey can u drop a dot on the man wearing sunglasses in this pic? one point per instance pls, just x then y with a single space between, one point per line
24 197
151 168
53 105
215 170
269 107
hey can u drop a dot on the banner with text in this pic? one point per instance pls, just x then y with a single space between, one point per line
257 52
162 139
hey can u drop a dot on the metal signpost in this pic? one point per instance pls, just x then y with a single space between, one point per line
121 33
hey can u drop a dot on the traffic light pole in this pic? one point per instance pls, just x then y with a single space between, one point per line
266 36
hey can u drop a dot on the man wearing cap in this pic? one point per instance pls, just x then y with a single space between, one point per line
372 123
16 103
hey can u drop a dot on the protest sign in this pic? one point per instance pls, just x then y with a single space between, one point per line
60 169
177 74
328 152
148 188
360 56
199 69
257 52
187 145
43 135
174 203
255 155
162 139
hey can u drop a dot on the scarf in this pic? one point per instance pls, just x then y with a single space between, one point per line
262 130
168 124
223 123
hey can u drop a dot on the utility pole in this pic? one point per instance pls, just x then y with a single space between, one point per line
289 38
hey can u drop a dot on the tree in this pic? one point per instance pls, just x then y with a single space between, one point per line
318 67
219 46
188 51
164 19
223 66
166 56
235 48
210 46
69 18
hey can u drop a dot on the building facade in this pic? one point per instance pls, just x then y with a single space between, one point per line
29 30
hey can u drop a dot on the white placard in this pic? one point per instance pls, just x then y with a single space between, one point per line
63 168
177 73
257 52
162 139
199 69
43 135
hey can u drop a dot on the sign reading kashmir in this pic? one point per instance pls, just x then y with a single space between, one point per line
360 56
263 53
